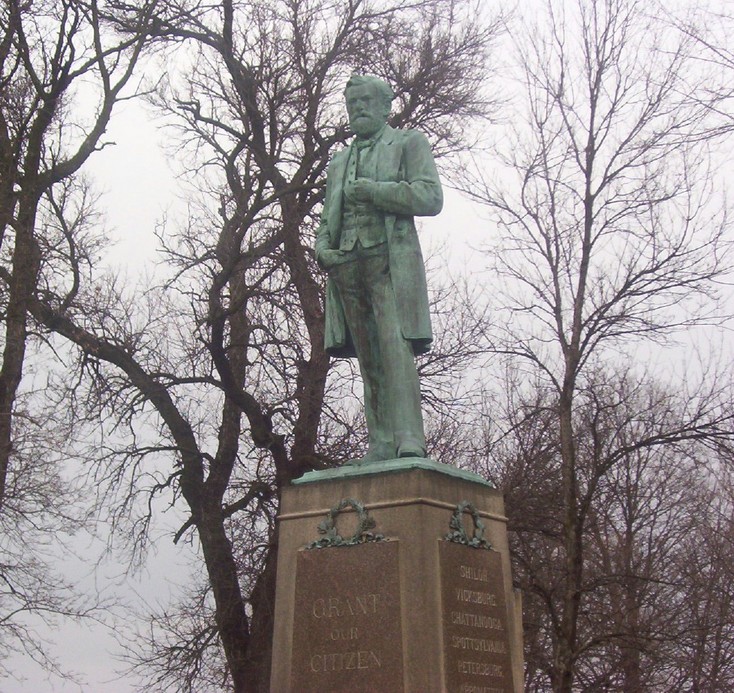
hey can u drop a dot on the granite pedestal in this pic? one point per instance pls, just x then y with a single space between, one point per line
404 608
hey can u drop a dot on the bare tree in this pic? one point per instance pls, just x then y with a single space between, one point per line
710 27
47 49
646 462
228 353
41 513
607 240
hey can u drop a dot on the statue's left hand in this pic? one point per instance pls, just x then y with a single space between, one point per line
360 190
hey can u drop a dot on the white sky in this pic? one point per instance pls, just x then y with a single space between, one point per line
139 187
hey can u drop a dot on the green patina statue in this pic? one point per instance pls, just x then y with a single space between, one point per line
376 297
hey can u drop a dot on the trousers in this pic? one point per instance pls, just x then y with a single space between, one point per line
386 361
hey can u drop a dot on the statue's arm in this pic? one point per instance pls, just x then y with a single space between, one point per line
325 255
419 193
323 242
322 237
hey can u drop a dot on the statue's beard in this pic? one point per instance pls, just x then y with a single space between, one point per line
365 125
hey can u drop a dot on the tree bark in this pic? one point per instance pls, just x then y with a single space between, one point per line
230 614
25 267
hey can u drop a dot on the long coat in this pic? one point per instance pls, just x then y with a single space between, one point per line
407 186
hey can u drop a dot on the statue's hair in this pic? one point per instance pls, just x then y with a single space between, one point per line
383 88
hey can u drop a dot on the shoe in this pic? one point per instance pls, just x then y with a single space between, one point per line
378 453
411 448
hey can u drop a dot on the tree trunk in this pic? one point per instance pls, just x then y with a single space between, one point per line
572 539
26 262
230 614
262 621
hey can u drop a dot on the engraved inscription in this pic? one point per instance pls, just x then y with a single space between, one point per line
338 607
475 634
344 634
478 644
461 618
471 573
474 597
347 630
469 688
341 661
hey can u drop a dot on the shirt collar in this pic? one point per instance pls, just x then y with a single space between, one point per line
366 144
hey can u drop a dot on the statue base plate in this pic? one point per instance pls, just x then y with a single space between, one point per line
401 464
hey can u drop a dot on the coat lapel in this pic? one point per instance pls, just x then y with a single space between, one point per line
388 156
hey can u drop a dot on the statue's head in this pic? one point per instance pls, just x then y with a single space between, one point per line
368 104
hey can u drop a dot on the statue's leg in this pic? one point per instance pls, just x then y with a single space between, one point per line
353 283
399 386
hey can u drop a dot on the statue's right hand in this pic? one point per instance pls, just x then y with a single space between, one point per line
330 257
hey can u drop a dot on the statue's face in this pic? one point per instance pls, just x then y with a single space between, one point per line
367 111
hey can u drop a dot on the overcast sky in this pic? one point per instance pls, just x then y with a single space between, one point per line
138 188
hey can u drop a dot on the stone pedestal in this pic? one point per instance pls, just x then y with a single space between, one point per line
404 608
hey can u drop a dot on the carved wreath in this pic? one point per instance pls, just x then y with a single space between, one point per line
361 535
458 533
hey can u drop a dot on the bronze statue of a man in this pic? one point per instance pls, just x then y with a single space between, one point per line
376 297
